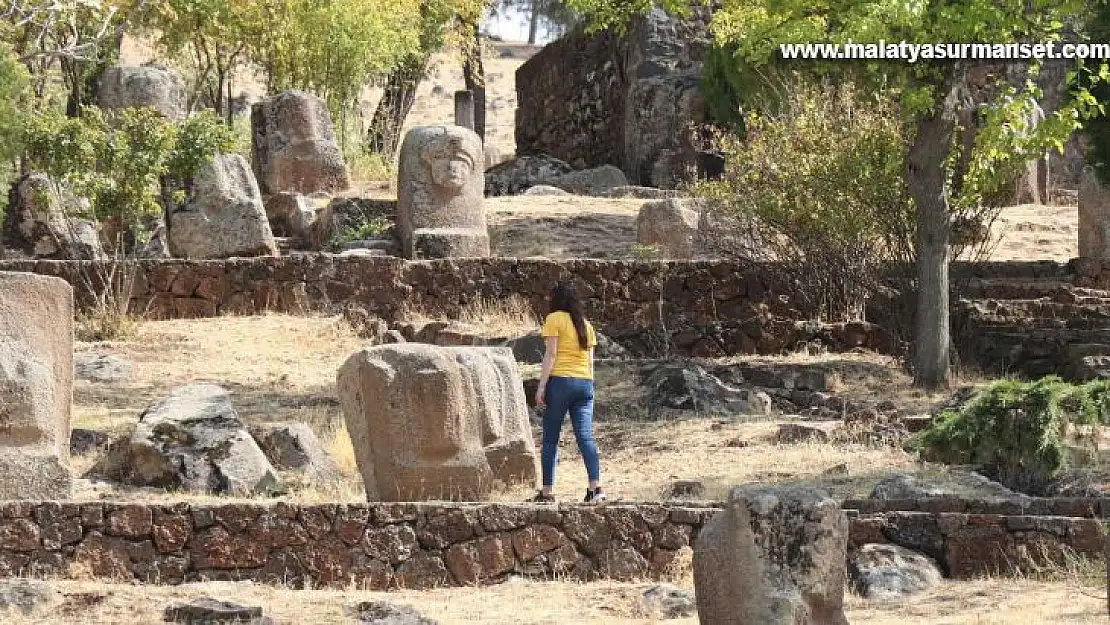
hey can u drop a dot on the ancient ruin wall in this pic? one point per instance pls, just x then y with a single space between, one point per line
402 545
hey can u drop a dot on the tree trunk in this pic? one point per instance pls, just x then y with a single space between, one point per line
384 134
474 75
925 178
534 21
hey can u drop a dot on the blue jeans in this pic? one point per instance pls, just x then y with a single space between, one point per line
574 395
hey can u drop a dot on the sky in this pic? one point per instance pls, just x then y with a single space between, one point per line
513 26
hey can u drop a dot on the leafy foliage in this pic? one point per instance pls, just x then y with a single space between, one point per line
368 229
822 181
1017 429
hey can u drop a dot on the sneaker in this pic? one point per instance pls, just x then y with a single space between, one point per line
540 497
594 496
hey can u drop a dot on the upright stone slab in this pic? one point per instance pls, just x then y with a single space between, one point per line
440 192
506 431
224 215
773 556
147 86
36 386
669 225
294 146
40 222
414 423
1094 216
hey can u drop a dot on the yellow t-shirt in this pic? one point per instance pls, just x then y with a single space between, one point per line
571 361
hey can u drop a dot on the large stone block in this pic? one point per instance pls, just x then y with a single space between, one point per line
440 188
669 225
494 379
224 215
413 417
136 87
1094 216
294 145
773 556
40 222
36 386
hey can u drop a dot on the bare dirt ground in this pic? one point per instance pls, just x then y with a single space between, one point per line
986 602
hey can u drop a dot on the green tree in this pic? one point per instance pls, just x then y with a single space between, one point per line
969 121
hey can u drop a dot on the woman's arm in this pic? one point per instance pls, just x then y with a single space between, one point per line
551 345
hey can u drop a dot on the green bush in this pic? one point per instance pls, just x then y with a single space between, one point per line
822 181
1017 430
368 229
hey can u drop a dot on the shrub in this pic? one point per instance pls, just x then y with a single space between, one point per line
1018 430
823 179
368 229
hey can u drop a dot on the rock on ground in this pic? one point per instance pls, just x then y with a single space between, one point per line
903 486
100 367
591 181
223 216
517 175
295 447
545 189
39 222
147 86
25 596
382 613
82 441
36 386
688 386
669 225
774 555
193 440
817 432
883 572
668 601
209 611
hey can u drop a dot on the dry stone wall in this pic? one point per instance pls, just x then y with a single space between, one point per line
408 545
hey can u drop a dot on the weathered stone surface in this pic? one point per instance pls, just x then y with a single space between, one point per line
143 87
545 189
415 424
100 367
422 571
494 380
82 441
688 386
382 613
194 440
392 543
515 176
223 215
36 386
816 432
40 222
439 194
881 572
591 181
774 555
296 448
906 487
26 596
668 601
671 226
208 610
293 215
1094 216
294 145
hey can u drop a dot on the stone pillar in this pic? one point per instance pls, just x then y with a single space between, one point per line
773 556
295 147
1094 216
36 386
440 191
464 109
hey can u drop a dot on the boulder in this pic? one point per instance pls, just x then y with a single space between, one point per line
439 194
26 596
590 181
293 215
688 386
1094 216
40 222
382 613
816 432
668 601
517 175
100 367
223 216
774 555
209 611
193 440
36 386
82 441
884 572
669 225
545 189
415 425
147 86
494 381
296 448
294 145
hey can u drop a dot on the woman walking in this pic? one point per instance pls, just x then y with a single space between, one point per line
567 385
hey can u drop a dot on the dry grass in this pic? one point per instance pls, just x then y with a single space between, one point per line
987 602
486 317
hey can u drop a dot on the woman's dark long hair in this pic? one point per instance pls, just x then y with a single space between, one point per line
564 299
